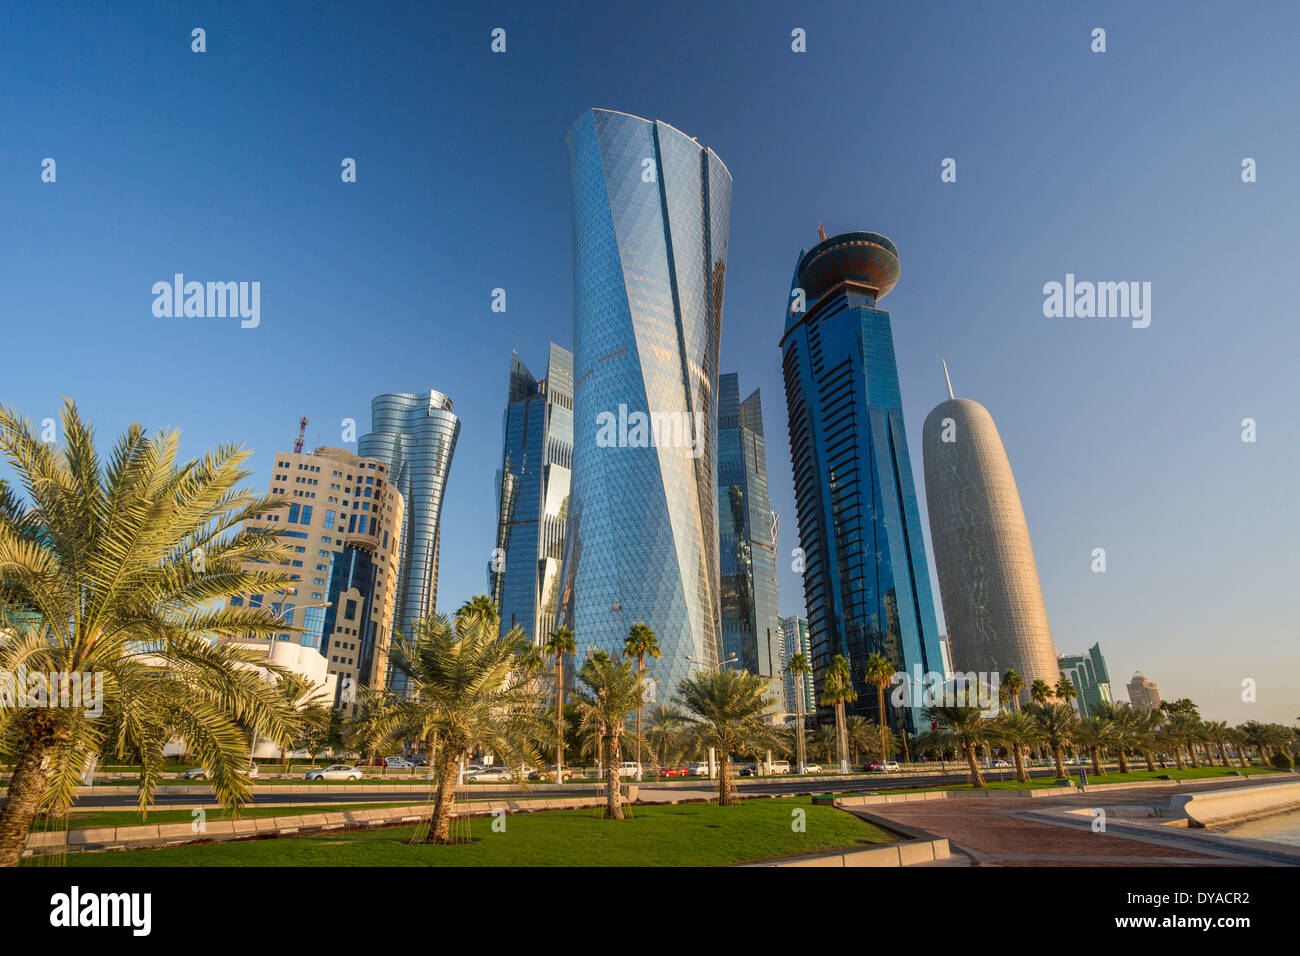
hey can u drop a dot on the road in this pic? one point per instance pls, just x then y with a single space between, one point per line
379 793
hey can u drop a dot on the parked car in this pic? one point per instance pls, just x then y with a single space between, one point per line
628 768
812 768
780 766
199 773
748 772
490 775
1000 763
700 769
338 771
674 772
882 766
398 763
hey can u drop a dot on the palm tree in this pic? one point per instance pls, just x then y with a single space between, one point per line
861 736
837 690
1057 722
122 568
1126 731
1216 734
665 732
1065 690
640 644
1239 740
1040 692
1094 734
798 666
1014 684
376 723
465 688
613 692
560 642
1017 730
881 673
825 742
969 728
479 604
726 708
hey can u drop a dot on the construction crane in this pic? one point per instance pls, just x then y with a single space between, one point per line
302 430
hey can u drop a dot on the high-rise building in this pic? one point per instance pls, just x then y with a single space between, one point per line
344 522
533 495
751 619
1088 674
1143 694
992 601
866 585
414 435
794 632
651 209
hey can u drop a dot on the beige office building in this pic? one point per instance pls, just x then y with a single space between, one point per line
1143 694
343 520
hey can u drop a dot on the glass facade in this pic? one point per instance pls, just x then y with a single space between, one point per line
415 436
651 208
1088 674
866 585
533 485
751 620
794 631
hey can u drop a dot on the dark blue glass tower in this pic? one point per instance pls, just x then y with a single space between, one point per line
866 584
751 620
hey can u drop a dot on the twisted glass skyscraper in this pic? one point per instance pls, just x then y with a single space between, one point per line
650 209
415 436
533 495
866 585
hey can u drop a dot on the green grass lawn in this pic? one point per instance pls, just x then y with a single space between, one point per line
697 834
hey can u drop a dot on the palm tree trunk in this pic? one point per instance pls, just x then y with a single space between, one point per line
440 825
559 718
25 788
1021 776
1058 755
1178 756
1096 761
613 782
839 734
1123 760
725 795
973 765
880 696
1150 759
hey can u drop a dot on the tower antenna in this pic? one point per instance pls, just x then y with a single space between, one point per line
947 378
302 429
821 230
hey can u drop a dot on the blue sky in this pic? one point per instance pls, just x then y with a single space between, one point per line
1115 166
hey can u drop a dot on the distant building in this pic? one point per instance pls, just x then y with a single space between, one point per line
414 435
1143 693
533 495
1088 674
751 619
794 633
344 522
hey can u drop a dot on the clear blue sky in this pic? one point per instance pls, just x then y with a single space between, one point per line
1116 166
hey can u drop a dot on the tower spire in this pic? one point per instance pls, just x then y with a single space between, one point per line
821 231
947 378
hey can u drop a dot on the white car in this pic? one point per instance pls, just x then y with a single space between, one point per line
1000 763
338 771
700 769
780 766
627 768
199 773
396 763
812 768
490 775
891 766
